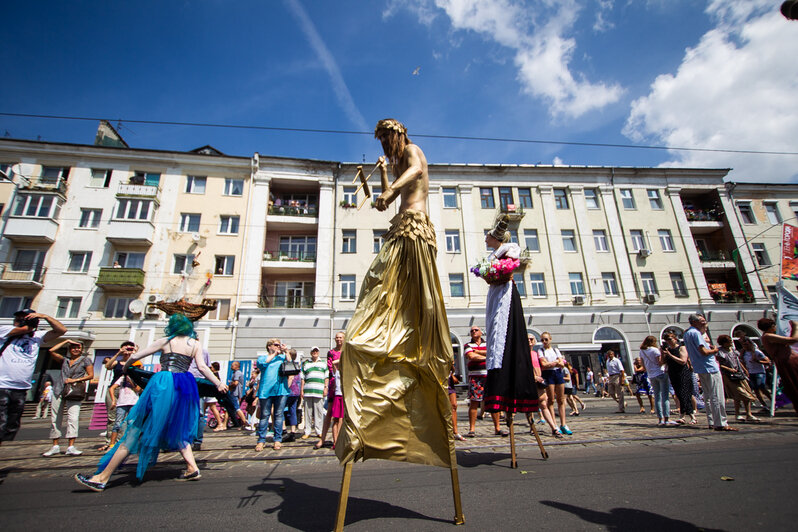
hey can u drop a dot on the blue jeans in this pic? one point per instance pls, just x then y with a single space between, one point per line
590 385
660 386
201 422
290 410
267 404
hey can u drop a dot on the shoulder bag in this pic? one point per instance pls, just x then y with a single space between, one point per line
289 368
74 391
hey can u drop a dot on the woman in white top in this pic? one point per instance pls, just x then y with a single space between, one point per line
552 363
660 383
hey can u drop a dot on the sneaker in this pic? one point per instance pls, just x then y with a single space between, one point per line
55 449
752 418
83 480
249 428
541 422
740 418
189 476
104 434
72 451
305 437
565 430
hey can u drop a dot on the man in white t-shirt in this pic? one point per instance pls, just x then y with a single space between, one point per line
617 375
18 353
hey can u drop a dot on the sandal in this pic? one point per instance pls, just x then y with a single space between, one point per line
556 433
458 436
219 429
471 434
318 445
277 446
502 433
727 428
260 446
104 448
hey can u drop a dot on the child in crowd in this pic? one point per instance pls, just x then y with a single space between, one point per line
123 401
43 408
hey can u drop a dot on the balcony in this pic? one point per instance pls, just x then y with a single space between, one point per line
296 261
514 212
731 296
288 217
287 302
44 184
309 211
716 260
121 279
137 191
31 230
15 278
703 221
130 232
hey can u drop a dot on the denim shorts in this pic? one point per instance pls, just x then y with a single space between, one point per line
758 381
552 376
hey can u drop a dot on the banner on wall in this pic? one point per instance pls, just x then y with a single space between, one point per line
789 252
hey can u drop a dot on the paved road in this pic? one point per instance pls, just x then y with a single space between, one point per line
616 472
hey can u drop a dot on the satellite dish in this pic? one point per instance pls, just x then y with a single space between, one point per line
195 237
136 306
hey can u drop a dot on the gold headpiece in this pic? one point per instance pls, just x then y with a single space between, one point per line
390 123
499 231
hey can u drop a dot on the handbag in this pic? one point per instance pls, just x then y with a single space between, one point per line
74 391
289 368
737 376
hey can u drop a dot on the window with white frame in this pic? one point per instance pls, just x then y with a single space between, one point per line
513 235
228 224
190 222
183 264
628 199
68 307
486 198
654 199
561 199
233 187
577 284
772 211
133 209
746 213
8 170
130 259
297 247
222 311
224 264
456 285
90 218
348 241
100 178
117 307
10 305
610 284
506 197
294 294
379 239
37 206
649 283
452 240
520 284
591 198
761 254
79 261
195 184
51 174
600 240
638 242
347 288
666 240
449 197
150 179
678 284
531 240
525 198
537 285
350 196
568 240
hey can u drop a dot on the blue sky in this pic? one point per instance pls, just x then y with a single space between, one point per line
717 74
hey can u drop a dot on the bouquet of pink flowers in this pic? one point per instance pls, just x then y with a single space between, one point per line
496 271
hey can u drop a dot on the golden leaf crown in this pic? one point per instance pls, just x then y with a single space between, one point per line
392 124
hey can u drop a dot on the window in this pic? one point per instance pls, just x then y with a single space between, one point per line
505 197
772 210
449 197
560 198
761 254
456 285
610 285
37 206
520 284
8 170
51 174
195 184
649 284
627 199
568 240
452 241
9 305
90 218
600 240
233 187
350 196
486 198
150 179
654 199
531 239
126 259
298 247
117 307
183 264
79 261
347 288
222 311
189 222
525 198
577 284
591 198
228 225
349 241
379 239
225 264
679 287
28 260
133 209
294 294
746 213
68 307
638 242
666 240
100 178
537 285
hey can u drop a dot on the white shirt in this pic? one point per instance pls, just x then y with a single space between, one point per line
650 356
19 359
614 366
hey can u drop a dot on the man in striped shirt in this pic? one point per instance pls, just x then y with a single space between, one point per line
475 352
315 378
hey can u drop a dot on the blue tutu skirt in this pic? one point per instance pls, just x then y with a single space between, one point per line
165 418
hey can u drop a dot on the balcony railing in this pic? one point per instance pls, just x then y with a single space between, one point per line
121 278
145 191
515 212
49 184
732 296
9 273
287 302
703 215
310 211
290 256
714 256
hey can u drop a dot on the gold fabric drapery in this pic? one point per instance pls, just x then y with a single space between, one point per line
397 355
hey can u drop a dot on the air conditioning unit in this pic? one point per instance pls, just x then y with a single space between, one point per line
643 253
152 299
579 300
650 298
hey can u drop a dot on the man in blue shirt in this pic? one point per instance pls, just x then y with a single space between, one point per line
702 356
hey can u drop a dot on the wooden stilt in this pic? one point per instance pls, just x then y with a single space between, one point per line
459 518
513 461
540 443
343 497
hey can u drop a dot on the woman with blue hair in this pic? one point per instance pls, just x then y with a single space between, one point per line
165 416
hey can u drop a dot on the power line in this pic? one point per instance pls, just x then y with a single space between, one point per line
421 135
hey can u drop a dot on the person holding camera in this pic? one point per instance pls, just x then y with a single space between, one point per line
115 364
69 391
18 354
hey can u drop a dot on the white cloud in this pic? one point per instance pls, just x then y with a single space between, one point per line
340 89
537 33
734 90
